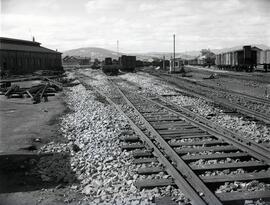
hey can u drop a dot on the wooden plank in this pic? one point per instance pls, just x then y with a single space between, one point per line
132 146
168 137
165 123
165 200
163 119
187 135
152 183
202 149
241 196
237 177
144 160
30 95
150 170
130 138
142 153
205 143
228 166
180 131
173 126
215 156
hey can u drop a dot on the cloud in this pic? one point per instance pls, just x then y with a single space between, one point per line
139 25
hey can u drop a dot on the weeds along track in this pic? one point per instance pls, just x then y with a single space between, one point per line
209 166
251 106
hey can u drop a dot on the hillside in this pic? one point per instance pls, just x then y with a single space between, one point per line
93 52
101 53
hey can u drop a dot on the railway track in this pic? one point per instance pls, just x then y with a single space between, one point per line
201 160
194 90
168 126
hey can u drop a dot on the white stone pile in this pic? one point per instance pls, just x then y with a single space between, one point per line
97 167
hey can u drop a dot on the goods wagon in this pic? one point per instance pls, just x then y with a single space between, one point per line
128 63
263 58
109 68
245 59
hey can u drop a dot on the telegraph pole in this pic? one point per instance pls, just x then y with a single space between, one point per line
163 62
117 48
174 52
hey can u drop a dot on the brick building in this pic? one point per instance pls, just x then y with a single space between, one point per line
21 56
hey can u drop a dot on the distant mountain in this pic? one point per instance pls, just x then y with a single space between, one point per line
92 52
101 53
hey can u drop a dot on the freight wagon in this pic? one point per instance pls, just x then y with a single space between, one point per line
109 68
245 59
127 63
263 58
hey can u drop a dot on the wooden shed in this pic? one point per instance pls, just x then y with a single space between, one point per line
21 57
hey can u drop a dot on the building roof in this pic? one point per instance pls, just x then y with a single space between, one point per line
23 45
237 48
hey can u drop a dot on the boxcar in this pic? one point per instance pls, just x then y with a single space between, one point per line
128 63
239 59
109 68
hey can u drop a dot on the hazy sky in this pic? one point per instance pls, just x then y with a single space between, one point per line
139 25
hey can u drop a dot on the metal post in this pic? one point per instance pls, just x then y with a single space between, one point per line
174 52
163 62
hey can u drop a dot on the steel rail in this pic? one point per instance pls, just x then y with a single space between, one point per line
259 116
250 97
184 169
258 151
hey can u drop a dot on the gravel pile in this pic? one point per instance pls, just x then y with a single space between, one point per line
105 172
97 167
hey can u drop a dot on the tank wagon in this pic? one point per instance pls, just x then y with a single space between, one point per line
244 59
127 63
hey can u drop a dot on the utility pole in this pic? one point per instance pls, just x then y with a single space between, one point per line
117 48
163 62
118 52
174 52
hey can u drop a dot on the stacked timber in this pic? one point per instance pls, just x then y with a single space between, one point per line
38 92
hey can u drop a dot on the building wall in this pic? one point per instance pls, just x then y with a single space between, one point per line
19 62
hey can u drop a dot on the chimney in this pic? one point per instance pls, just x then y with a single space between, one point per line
33 38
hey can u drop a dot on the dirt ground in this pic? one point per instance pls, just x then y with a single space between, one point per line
24 125
24 128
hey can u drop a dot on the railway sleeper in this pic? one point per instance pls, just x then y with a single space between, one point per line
264 176
240 155
202 149
237 198
185 136
142 153
145 160
132 146
251 165
202 143
152 183
131 138
150 170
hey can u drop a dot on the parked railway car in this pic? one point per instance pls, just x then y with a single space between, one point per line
243 59
263 58
109 68
127 63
